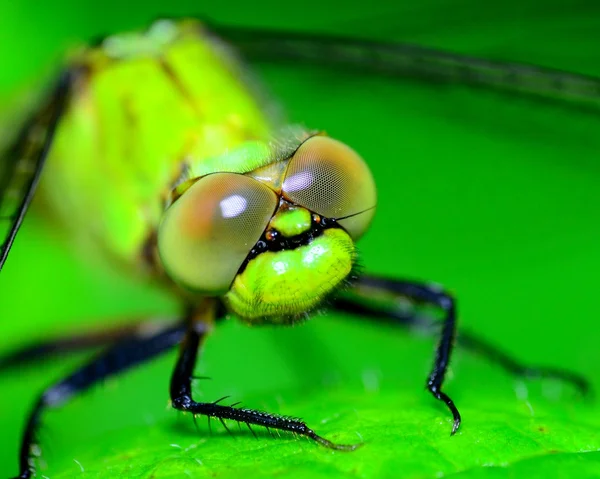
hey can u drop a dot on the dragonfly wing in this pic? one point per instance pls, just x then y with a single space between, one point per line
413 61
21 163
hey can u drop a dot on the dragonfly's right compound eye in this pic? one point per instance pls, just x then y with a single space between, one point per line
331 179
206 235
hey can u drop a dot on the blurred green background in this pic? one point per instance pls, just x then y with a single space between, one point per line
494 196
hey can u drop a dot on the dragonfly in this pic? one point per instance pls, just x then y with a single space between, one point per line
220 205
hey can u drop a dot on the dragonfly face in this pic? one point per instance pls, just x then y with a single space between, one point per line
277 240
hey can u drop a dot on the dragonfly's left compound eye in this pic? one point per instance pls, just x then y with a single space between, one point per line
206 235
331 179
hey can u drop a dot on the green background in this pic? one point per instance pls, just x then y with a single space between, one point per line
494 196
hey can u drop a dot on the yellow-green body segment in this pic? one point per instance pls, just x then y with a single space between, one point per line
166 101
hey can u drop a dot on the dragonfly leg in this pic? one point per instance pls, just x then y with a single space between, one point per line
372 287
381 299
181 399
22 163
482 347
118 358
83 341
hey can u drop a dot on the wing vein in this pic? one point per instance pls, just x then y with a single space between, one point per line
414 61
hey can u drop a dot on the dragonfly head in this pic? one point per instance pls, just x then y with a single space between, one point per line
276 241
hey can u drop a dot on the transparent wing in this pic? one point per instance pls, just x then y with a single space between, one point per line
21 164
414 61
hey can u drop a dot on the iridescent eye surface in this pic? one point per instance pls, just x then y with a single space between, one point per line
207 233
332 180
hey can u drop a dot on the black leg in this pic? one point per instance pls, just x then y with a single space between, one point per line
380 298
181 398
511 365
21 165
118 358
424 294
84 341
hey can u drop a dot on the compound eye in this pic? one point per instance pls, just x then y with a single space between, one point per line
332 180
206 234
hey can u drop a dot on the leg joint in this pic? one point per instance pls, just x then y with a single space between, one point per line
183 403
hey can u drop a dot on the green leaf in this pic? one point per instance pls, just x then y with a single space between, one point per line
494 196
